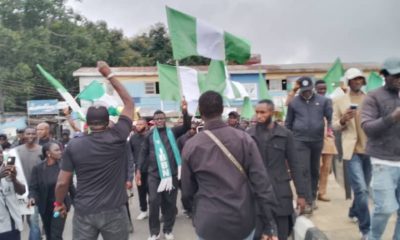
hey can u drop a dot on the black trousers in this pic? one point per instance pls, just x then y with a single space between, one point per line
309 154
143 190
53 227
284 224
164 201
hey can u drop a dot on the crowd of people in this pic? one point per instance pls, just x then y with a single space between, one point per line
234 176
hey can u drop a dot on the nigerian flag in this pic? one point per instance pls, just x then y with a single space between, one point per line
96 93
63 92
218 79
247 109
333 76
262 88
172 79
194 37
374 81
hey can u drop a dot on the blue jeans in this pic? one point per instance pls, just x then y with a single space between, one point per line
34 228
250 237
386 194
359 168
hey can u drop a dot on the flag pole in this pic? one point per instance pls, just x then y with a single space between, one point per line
179 79
162 105
180 85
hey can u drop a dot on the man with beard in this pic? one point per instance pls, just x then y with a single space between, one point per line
276 145
380 119
160 159
135 142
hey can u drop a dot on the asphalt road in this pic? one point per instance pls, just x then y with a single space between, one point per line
183 229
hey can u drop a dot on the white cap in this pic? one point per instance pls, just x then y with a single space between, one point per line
353 73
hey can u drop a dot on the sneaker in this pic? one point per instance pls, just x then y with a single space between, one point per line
142 215
154 237
308 210
314 205
353 219
364 237
169 236
188 214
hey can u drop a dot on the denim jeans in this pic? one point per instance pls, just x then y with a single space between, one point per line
250 237
386 194
359 168
111 224
34 228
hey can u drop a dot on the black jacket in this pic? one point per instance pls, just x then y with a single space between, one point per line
224 199
278 154
147 152
38 189
135 143
305 118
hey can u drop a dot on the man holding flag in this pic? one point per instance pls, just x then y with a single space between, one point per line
160 159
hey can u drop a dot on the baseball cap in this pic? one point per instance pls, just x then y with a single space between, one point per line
306 84
97 115
353 73
392 65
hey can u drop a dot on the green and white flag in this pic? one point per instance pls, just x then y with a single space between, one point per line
96 93
194 37
239 90
192 83
262 88
63 92
172 79
333 76
247 109
374 81
218 79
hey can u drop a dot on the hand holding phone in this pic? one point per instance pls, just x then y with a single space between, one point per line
10 161
353 106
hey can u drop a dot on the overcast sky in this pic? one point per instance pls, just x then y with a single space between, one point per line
282 31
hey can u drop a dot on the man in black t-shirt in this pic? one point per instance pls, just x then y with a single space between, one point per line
100 165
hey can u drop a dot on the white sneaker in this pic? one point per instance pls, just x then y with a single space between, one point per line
142 215
169 236
154 237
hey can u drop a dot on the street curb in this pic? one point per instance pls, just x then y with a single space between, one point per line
304 229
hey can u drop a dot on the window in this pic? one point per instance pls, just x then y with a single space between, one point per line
275 84
152 88
251 89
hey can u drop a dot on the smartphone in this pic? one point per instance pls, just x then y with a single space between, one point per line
353 106
199 129
10 161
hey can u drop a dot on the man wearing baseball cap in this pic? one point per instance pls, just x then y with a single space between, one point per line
305 118
380 119
347 119
99 160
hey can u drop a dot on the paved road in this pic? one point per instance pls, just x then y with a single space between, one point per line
183 227
331 218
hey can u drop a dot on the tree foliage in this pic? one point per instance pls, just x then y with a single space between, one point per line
53 35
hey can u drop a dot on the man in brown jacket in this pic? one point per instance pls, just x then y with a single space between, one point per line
224 193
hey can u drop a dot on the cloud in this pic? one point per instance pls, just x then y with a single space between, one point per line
282 31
